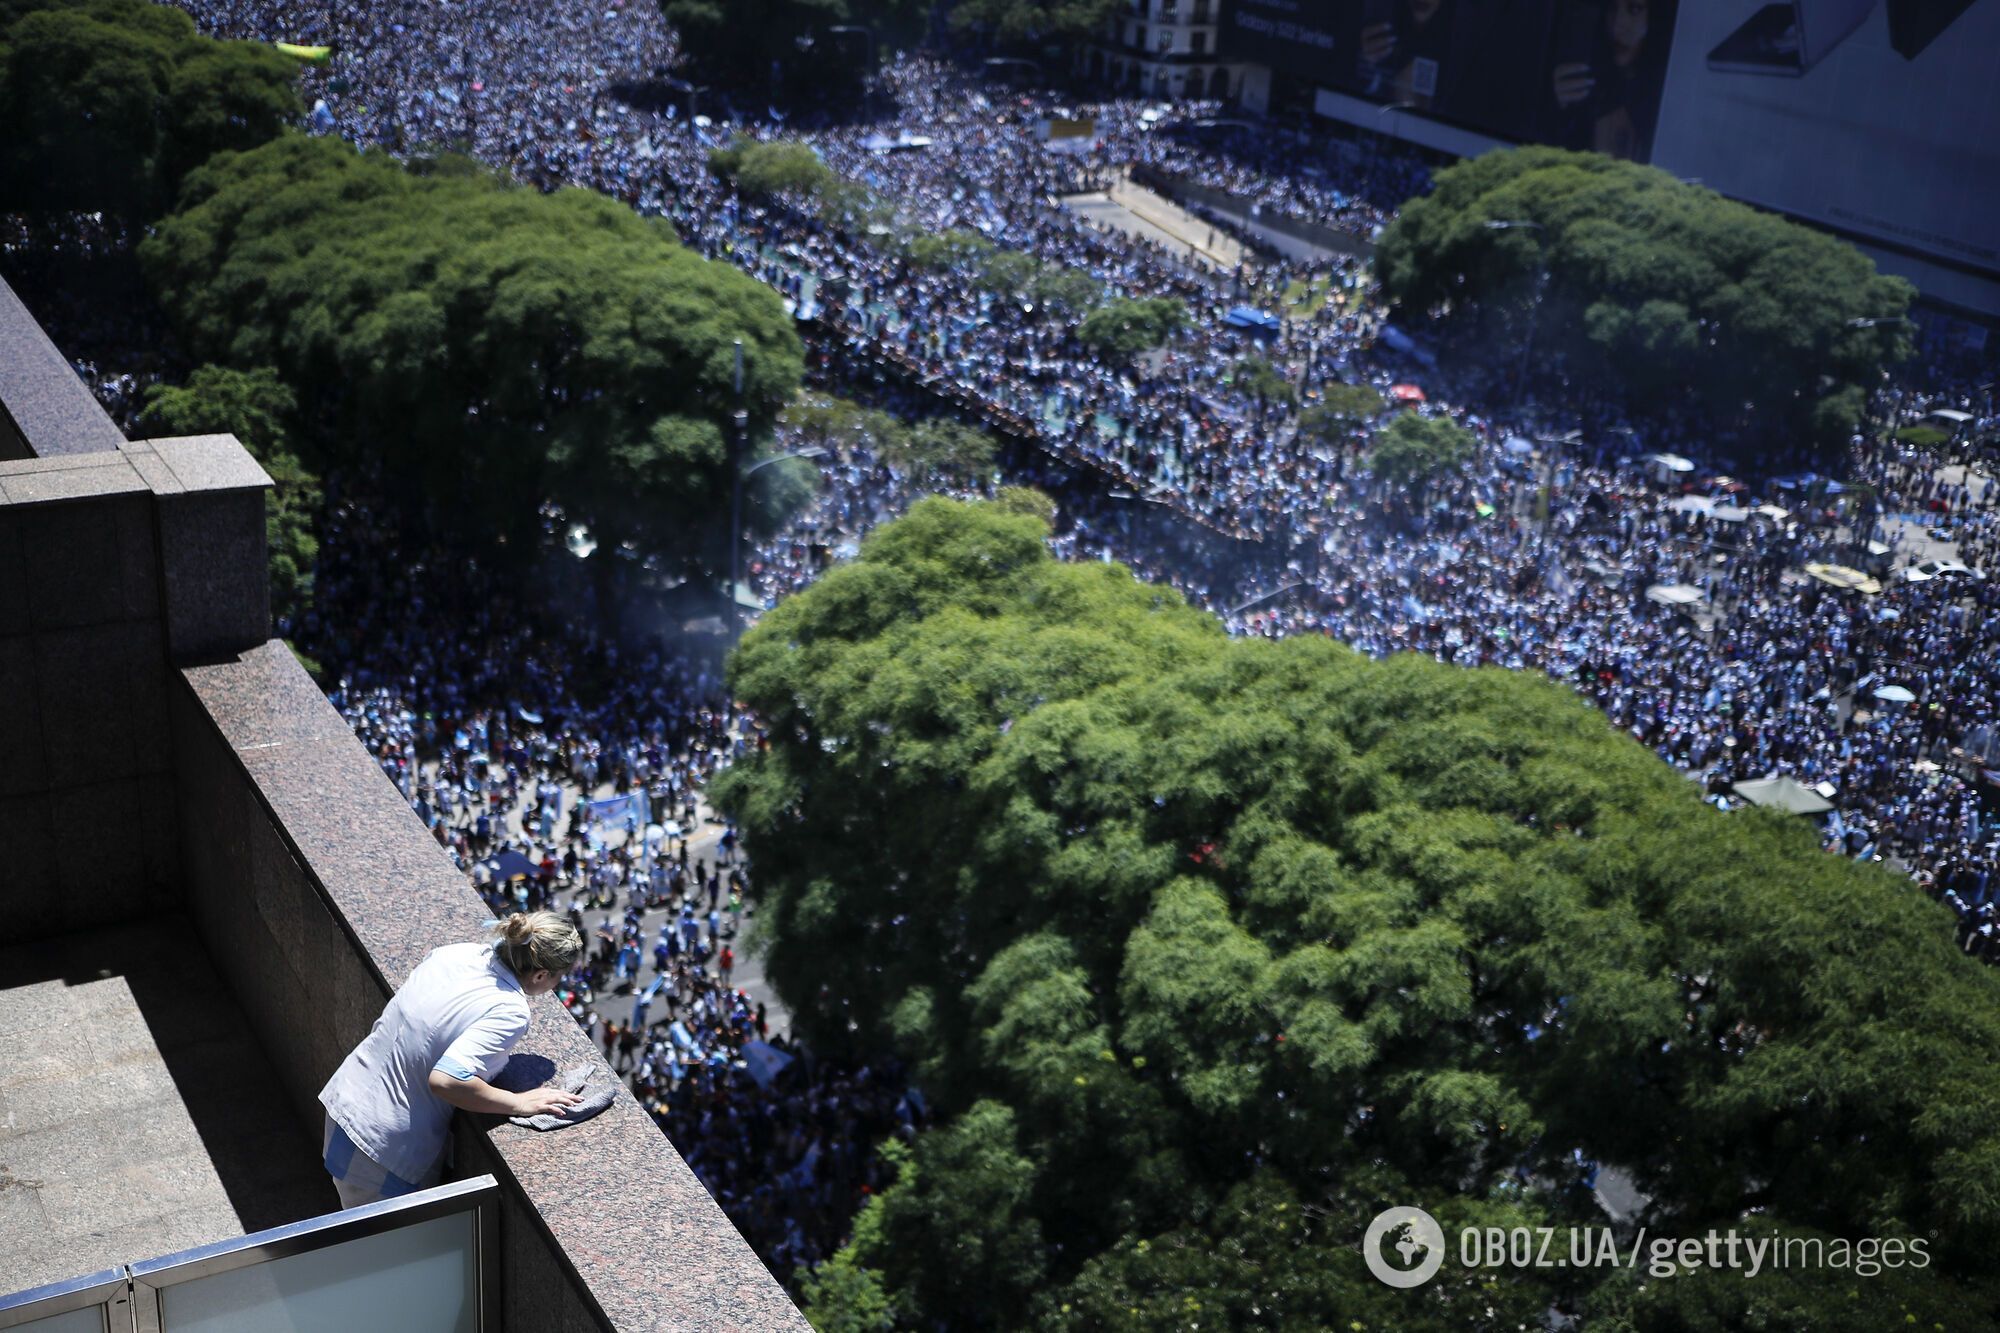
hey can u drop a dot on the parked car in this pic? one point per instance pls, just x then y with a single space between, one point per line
1926 570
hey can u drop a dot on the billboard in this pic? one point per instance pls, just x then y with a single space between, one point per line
1581 73
1880 119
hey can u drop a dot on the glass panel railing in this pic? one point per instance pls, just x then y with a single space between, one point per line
92 1320
81 1305
425 1275
426 1260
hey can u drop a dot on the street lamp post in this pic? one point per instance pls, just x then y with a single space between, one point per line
739 453
1534 304
736 518
738 450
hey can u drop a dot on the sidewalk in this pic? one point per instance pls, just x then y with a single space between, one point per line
1137 211
704 843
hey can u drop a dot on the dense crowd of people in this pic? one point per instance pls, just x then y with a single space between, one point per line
562 767
1349 185
561 772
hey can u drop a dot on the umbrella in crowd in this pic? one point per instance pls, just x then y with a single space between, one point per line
1787 794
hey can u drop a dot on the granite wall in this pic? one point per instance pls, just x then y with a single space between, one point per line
159 755
318 891
112 564
45 409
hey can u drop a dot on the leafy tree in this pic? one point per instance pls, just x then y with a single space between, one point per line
255 407
1068 292
941 449
764 168
956 1233
851 206
1122 328
823 421
1413 451
946 250
109 103
1341 409
1175 928
1790 1297
1263 381
1266 1258
1006 273
1025 500
844 1296
490 344
1654 284
1017 21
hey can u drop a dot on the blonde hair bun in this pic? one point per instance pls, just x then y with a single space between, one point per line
537 941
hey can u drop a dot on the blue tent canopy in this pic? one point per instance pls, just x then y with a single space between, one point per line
1257 321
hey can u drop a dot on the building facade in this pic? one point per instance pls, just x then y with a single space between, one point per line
1163 48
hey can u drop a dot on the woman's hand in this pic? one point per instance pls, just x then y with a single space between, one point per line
1378 43
1573 83
544 1101
476 1094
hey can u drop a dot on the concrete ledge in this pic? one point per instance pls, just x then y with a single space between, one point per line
199 463
45 409
69 477
319 890
214 567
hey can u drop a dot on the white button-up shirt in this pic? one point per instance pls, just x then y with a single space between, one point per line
461 1012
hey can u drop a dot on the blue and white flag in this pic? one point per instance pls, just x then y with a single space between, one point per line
763 1061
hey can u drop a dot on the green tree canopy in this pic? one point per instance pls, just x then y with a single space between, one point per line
1016 21
1340 409
772 167
1068 292
1660 285
1006 273
942 449
824 421
1413 451
109 103
485 341
1012 274
1176 929
257 408
1263 381
939 250
1123 327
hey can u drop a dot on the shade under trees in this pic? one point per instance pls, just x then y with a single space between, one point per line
107 104
760 45
1205 950
1653 284
496 348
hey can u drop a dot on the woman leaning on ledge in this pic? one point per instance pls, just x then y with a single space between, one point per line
446 1032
